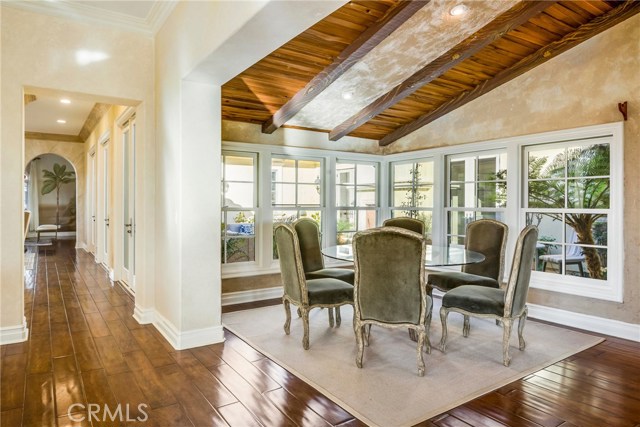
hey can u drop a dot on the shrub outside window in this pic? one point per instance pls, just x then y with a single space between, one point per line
412 191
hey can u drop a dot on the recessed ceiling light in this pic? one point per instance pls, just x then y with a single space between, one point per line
347 94
61 121
65 101
458 10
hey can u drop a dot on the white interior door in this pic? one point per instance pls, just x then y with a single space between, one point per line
128 202
105 204
93 211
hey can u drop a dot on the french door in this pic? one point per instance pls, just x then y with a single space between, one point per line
106 197
129 202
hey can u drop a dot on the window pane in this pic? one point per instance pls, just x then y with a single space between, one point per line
586 229
424 196
366 196
366 219
546 194
283 170
586 262
549 226
238 195
546 163
493 167
498 216
588 193
462 169
588 161
461 195
283 194
366 175
424 171
458 221
345 173
456 241
238 168
345 226
238 237
402 172
345 195
309 171
492 195
308 194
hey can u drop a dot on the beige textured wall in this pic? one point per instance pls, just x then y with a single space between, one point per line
247 132
74 153
578 88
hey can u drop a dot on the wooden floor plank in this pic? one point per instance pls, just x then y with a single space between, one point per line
86 347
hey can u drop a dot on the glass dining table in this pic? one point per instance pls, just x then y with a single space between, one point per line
437 256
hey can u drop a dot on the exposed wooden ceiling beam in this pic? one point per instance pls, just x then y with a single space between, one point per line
369 39
514 17
92 120
584 32
52 137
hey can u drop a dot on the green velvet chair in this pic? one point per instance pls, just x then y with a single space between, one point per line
389 290
407 223
303 293
312 260
505 305
488 237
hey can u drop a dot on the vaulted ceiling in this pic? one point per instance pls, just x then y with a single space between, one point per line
383 69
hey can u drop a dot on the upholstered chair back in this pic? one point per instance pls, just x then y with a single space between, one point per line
293 279
413 224
389 275
489 237
309 237
518 285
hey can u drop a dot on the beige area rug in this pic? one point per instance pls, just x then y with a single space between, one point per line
387 390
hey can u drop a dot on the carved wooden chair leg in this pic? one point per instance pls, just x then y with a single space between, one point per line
299 312
521 323
421 340
466 326
305 324
338 316
287 312
367 334
331 321
360 342
506 334
427 324
443 319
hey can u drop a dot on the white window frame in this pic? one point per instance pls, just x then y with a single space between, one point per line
253 209
433 183
475 209
356 208
611 289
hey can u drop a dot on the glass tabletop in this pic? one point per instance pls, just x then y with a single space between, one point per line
437 256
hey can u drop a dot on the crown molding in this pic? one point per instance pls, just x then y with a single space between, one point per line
90 14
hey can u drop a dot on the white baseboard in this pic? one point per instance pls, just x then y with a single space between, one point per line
187 339
81 245
241 297
601 325
144 316
14 334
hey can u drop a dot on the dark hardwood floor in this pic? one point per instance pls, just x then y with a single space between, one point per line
86 348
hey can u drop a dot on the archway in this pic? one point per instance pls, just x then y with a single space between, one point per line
51 194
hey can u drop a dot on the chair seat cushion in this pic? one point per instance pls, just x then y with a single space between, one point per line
333 273
475 299
329 291
447 281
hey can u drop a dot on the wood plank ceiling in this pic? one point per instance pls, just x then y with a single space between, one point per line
514 42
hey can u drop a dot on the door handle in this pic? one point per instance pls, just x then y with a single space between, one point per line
106 222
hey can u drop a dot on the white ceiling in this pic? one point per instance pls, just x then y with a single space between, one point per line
42 114
146 16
